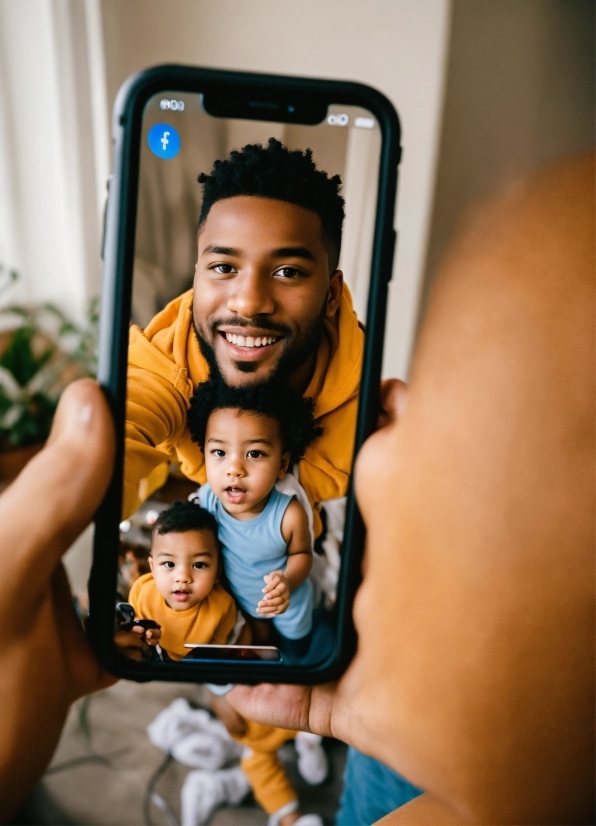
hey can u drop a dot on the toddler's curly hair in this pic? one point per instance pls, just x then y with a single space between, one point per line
293 412
181 517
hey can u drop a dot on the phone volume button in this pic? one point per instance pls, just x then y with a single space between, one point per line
105 218
390 254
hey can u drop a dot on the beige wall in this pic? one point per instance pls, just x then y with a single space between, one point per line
396 45
519 93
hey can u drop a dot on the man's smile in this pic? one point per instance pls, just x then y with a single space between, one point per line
249 344
250 341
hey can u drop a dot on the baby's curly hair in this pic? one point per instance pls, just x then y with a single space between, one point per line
293 412
273 171
181 517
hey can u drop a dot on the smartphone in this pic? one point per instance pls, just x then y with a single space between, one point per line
231 274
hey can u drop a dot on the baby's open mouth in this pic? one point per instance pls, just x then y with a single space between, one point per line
235 494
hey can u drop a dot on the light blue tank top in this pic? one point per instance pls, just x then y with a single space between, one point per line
253 548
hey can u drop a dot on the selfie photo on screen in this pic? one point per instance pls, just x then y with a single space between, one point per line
252 259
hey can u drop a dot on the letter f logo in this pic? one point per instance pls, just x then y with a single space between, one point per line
164 141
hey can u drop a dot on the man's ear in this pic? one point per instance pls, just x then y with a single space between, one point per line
285 464
336 286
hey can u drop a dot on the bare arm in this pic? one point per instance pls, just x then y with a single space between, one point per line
279 585
45 659
294 528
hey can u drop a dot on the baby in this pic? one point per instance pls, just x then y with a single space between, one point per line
182 593
249 437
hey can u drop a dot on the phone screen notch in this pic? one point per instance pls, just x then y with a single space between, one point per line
297 109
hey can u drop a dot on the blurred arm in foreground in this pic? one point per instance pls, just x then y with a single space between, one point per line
474 676
46 661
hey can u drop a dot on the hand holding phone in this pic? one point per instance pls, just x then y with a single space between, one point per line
250 374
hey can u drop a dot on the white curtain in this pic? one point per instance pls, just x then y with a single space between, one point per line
54 149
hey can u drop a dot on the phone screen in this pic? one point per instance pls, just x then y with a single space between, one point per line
244 305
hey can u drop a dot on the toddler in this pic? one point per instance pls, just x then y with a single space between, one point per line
249 436
182 592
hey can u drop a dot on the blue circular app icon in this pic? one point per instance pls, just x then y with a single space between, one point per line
164 141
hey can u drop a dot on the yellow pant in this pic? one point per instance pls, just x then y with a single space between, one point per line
266 775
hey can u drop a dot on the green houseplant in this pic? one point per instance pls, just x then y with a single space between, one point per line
41 351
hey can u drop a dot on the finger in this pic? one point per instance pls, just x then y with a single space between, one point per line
286 706
86 674
273 609
64 484
273 601
394 399
138 629
131 653
127 639
272 580
152 636
275 597
279 591
266 609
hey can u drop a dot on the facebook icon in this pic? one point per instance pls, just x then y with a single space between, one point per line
164 141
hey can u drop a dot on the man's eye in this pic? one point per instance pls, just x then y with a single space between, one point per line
289 272
255 454
200 565
223 269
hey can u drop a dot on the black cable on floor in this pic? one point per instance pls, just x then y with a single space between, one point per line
151 796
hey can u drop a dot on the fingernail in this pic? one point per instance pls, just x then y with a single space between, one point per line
85 415
71 416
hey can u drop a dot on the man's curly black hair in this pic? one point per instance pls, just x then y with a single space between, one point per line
273 171
293 412
181 517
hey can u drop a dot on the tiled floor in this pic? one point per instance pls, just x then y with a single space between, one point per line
105 762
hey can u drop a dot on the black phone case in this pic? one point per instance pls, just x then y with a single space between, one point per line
309 98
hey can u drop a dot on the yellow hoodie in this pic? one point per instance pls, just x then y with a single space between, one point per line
164 367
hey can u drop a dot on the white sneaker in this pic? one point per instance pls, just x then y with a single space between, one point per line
204 791
312 760
303 820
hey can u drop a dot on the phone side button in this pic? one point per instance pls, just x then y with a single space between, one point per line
105 217
390 255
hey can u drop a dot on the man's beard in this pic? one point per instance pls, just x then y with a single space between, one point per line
290 360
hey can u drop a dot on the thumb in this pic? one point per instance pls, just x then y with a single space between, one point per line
58 492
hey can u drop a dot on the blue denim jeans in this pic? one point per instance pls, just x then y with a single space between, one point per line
370 791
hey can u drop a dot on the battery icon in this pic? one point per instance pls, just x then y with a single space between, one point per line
364 123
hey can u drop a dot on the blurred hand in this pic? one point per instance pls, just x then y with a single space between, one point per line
46 661
131 642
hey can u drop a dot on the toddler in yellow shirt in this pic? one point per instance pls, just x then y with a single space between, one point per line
182 592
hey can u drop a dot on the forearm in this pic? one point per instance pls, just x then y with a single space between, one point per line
35 701
298 568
